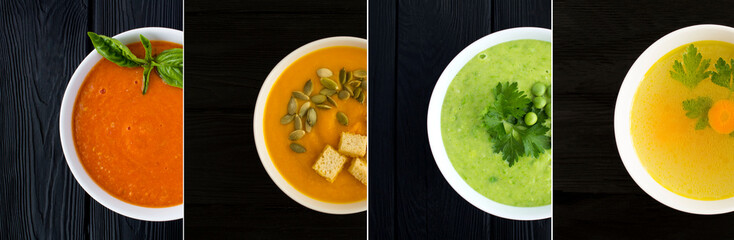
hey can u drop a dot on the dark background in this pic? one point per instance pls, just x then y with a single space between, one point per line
41 44
231 46
595 44
410 44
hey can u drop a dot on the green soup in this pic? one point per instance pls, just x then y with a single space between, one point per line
468 144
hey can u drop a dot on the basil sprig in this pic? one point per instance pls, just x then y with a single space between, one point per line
169 63
170 66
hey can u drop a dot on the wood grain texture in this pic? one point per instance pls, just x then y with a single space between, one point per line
595 44
41 44
231 48
414 200
381 122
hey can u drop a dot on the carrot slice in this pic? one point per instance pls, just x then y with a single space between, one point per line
721 116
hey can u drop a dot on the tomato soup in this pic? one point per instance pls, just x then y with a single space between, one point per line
131 144
296 168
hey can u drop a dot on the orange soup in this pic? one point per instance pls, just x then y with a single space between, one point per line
296 167
131 144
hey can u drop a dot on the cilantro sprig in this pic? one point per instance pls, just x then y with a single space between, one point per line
512 137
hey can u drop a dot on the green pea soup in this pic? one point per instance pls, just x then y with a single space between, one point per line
468 144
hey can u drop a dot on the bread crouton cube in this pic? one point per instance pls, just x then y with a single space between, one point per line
353 145
358 169
329 163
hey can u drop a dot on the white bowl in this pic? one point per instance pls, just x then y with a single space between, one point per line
67 140
434 126
325 207
623 110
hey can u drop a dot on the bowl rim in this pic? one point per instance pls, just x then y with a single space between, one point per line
67 140
434 125
622 121
287 188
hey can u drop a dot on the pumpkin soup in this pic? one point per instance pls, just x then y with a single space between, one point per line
310 105
681 121
131 144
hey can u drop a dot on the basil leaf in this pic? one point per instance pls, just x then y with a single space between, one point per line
146 77
169 65
113 50
148 49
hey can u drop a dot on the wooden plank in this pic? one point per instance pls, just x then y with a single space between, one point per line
111 18
510 14
231 48
43 43
382 113
429 35
595 44
39 42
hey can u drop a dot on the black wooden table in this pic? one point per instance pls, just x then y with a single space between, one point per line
231 48
41 44
595 44
410 44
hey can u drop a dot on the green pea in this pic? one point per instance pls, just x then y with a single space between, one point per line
548 109
531 118
538 89
539 102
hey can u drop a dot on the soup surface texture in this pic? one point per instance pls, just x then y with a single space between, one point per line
697 164
468 144
296 167
131 144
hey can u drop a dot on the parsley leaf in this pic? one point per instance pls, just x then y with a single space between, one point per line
509 101
502 118
722 75
692 70
534 139
698 108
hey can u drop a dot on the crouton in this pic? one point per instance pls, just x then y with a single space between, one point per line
353 145
358 169
329 163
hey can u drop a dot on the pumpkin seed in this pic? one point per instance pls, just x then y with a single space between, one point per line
318 98
331 100
308 128
298 148
297 124
357 92
360 73
300 95
348 77
297 134
327 92
343 94
349 89
323 106
342 118
286 119
355 83
330 84
311 118
361 98
292 106
308 88
324 72
304 108
342 76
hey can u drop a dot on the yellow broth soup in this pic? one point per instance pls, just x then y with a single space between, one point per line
694 163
